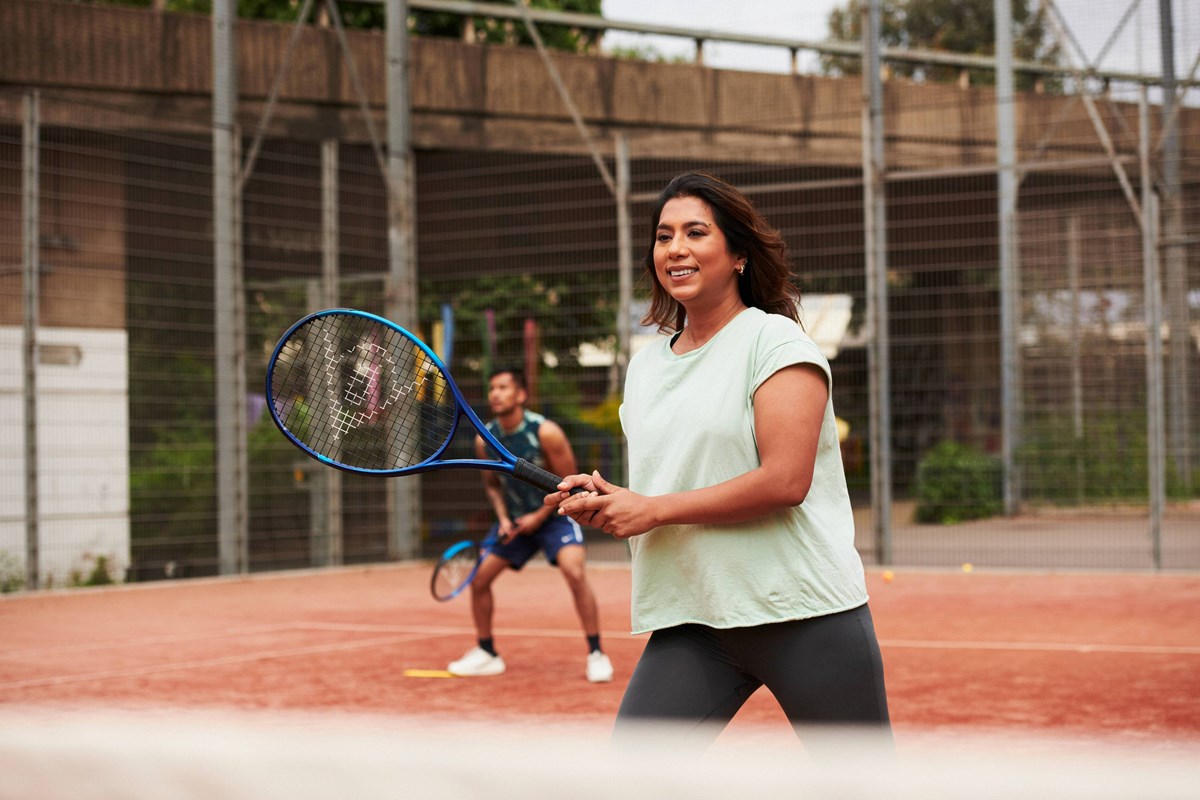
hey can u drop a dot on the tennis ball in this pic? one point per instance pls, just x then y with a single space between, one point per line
967 567
888 576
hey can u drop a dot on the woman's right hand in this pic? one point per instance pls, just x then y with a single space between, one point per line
613 509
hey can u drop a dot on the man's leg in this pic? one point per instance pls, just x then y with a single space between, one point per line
482 659
482 602
571 562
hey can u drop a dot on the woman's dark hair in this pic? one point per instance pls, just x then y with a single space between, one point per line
766 283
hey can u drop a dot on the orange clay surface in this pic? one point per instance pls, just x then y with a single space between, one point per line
1074 655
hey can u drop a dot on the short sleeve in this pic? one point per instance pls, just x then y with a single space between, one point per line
783 343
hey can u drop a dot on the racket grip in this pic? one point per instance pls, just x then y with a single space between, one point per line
536 476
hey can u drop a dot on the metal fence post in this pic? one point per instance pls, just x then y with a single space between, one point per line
327 547
232 478
31 258
624 263
1152 290
404 495
1006 186
875 236
1175 271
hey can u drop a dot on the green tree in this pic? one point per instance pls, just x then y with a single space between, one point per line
362 15
499 31
955 26
578 304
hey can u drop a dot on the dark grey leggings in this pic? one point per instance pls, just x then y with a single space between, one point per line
823 671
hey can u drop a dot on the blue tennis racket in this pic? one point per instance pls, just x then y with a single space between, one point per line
457 567
360 393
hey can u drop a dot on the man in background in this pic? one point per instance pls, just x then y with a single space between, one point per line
525 525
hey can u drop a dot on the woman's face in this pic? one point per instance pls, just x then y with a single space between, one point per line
691 255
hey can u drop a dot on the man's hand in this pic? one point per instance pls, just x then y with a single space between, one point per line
506 530
528 523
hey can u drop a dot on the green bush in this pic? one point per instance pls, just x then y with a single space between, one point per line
956 483
1105 462
12 573
100 575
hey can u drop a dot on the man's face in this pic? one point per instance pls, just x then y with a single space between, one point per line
504 394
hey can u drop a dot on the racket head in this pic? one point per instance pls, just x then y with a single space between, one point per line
455 570
360 393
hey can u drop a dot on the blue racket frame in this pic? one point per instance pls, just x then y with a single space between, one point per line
507 463
486 546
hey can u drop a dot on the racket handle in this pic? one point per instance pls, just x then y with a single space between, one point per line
536 476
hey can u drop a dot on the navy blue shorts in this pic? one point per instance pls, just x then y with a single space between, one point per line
555 534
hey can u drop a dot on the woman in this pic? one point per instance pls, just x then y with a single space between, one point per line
737 515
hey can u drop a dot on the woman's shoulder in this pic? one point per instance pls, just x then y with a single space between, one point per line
777 331
776 327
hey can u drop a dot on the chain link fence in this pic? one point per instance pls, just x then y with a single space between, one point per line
517 265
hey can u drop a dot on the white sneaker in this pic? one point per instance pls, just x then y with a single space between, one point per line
477 663
599 668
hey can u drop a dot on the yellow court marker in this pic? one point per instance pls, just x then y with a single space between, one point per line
427 673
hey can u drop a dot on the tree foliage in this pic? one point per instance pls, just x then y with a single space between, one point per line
499 31
359 15
955 26
577 302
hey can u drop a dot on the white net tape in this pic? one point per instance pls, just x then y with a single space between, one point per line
185 754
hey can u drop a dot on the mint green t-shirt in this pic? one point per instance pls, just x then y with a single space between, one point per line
689 421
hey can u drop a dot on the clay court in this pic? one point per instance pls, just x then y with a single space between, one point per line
1105 657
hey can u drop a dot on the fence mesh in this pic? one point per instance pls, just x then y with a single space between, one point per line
517 265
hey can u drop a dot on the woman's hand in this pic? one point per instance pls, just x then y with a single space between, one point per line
613 509
554 499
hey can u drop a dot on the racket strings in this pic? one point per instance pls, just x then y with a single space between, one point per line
362 394
454 572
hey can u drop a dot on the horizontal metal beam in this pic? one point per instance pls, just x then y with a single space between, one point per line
473 8
898 176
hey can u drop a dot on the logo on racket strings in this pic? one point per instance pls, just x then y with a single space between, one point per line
362 398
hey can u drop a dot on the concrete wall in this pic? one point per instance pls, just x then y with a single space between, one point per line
83 453
481 97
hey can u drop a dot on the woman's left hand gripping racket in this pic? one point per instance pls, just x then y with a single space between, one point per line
362 394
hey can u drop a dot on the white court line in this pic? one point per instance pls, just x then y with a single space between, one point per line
283 627
278 627
148 640
411 633
918 644
921 644
262 655
455 630
396 634
1059 647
